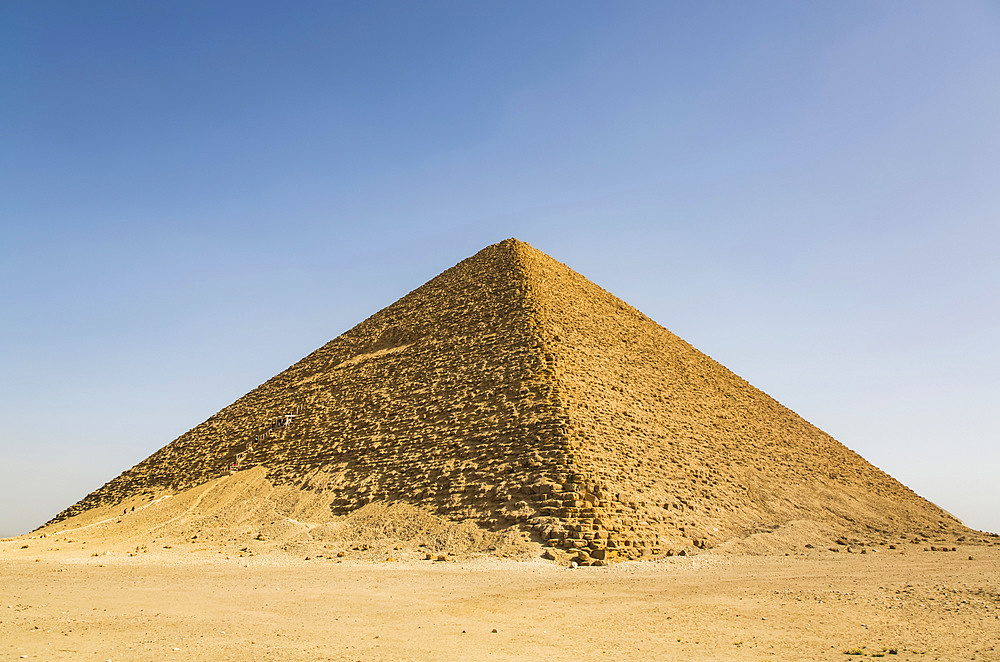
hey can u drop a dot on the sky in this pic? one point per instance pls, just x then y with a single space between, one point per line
195 195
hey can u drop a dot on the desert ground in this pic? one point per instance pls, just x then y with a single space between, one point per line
70 598
507 463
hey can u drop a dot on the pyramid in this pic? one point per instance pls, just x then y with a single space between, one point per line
512 392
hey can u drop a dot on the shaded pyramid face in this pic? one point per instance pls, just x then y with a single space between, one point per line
512 391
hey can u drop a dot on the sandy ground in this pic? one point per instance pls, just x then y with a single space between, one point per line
195 604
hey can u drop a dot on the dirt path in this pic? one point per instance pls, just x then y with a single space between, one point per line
190 509
188 606
111 519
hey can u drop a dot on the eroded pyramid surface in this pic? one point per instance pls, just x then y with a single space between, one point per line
512 391
679 451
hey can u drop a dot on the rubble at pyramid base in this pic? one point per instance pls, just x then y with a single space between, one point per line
244 515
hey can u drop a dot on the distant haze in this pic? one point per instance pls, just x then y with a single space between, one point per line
197 196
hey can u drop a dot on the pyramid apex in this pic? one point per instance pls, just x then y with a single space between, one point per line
513 243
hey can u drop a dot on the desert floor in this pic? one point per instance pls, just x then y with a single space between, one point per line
63 603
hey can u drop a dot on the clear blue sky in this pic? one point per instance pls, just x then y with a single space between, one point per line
194 195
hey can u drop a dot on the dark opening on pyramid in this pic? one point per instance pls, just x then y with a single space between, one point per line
513 392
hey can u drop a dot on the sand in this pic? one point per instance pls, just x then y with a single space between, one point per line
392 496
240 569
189 602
